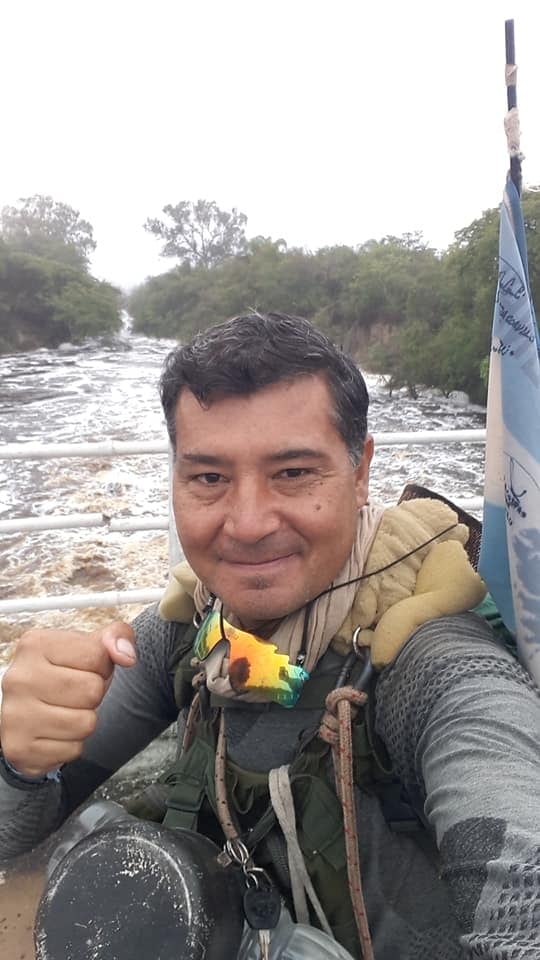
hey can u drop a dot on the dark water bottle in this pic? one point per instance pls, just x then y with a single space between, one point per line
124 889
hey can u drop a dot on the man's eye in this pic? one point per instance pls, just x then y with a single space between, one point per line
292 473
209 479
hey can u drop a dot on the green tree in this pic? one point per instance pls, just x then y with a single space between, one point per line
44 227
455 307
172 304
200 233
408 357
458 348
44 303
86 307
531 216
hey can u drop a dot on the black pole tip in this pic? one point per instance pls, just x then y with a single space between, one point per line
509 41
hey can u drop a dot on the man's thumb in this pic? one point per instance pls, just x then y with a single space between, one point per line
118 639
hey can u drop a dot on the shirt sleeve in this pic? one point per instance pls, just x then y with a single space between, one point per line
461 721
138 706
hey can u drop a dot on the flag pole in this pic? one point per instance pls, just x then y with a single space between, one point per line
511 99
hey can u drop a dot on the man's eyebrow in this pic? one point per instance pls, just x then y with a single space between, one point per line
296 453
201 457
280 456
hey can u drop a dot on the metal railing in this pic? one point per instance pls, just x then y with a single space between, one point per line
113 448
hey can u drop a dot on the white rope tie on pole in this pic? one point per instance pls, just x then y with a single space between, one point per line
510 74
513 133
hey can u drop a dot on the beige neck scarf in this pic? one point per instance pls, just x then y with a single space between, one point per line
325 618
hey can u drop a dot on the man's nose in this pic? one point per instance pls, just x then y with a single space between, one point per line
251 512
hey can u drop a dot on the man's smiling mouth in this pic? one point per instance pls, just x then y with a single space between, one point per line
256 564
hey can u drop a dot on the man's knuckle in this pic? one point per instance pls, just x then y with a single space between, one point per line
71 752
15 718
87 723
25 643
95 690
10 681
18 756
91 654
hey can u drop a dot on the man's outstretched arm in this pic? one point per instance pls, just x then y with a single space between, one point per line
461 720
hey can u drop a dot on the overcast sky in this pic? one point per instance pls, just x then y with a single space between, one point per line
324 122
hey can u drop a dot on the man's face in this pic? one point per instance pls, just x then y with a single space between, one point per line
265 496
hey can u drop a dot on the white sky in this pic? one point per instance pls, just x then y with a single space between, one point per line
324 122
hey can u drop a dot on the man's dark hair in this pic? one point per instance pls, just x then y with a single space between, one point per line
246 353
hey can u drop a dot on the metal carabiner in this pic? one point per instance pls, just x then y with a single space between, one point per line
237 851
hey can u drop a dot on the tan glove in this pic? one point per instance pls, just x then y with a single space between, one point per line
446 584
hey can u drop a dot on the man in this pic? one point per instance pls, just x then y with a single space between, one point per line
268 425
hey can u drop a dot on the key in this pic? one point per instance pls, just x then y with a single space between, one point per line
264 944
262 907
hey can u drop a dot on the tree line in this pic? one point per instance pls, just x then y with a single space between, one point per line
418 315
47 294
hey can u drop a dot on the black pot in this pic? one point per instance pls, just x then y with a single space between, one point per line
137 891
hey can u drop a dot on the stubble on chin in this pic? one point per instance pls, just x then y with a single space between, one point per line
259 584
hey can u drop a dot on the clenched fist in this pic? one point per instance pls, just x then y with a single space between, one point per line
51 690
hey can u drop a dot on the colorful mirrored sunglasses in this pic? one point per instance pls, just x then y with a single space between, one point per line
254 664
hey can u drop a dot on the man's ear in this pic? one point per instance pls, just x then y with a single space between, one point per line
362 472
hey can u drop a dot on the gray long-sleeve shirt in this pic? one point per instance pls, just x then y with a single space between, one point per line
461 722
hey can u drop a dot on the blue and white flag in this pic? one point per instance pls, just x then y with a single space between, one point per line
510 552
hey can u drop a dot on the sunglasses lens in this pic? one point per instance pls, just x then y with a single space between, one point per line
209 634
255 665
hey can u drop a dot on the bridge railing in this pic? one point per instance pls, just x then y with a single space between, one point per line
107 523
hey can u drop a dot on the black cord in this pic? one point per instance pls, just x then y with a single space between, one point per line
303 646
393 563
